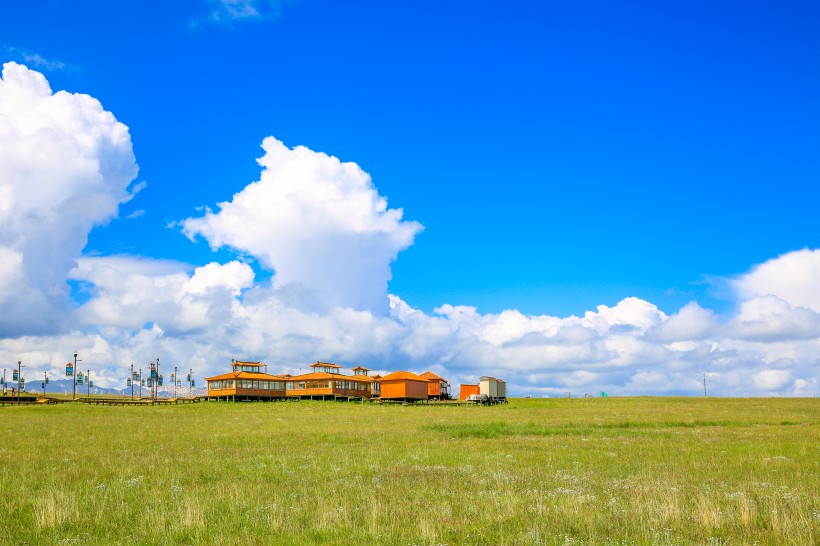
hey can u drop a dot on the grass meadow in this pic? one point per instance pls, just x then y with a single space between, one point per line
535 471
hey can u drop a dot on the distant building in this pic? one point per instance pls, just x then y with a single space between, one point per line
326 381
404 386
438 388
494 388
246 382
465 391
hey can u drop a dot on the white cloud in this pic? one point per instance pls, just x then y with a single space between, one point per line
793 277
772 380
319 223
226 12
35 59
768 318
65 164
322 227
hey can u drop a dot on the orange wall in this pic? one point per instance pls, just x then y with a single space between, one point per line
467 390
434 388
404 388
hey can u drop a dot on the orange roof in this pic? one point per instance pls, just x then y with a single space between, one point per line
361 368
403 376
324 365
243 363
245 375
312 376
431 375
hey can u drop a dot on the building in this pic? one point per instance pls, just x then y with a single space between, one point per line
438 388
465 391
494 388
327 382
245 381
404 386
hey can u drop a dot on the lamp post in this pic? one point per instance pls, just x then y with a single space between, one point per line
19 379
45 382
155 379
130 382
74 374
142 382
88 383
174 380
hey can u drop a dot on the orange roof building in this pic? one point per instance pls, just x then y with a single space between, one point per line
404 386
327 381
466 390
247 382
438 388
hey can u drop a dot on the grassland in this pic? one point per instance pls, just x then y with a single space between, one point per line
583 471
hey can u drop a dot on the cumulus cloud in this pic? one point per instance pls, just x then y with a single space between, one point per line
65 166
330 238
793 277
318 223
772 380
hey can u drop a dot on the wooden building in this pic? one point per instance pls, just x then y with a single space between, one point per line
438 388
327 382
466 390
245 381
404 386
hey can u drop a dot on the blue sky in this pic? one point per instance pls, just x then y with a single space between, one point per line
560 156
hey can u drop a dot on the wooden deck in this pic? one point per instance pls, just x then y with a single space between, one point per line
138 401
22 400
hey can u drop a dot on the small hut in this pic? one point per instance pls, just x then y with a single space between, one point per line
466 390
404 386
494 388
438 388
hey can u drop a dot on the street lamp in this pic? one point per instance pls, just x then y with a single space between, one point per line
73 373
19 374
130 382
88 383
45 382
155 380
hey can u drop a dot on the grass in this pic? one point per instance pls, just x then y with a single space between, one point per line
583 471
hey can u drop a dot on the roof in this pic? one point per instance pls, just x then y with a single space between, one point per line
313 376
485 377
245 375
361 368
243 363
324 364
431 375
404 376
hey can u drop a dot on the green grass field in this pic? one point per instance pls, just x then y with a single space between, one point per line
581 471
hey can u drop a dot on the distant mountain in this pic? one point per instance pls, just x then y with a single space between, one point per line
66 386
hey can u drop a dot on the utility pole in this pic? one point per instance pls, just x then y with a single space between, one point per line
704 383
